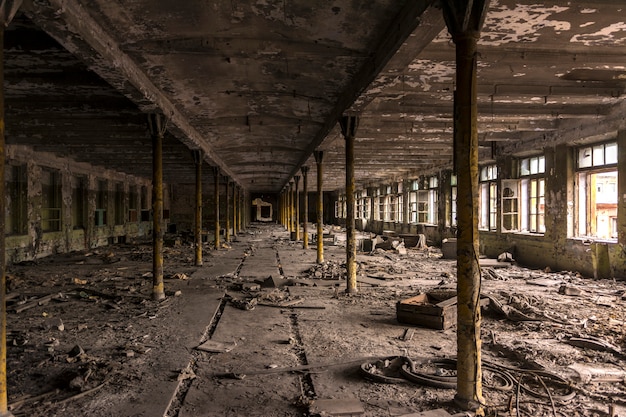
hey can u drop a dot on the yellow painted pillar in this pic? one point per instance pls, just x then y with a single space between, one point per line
197 155
348 129
227 214
296 223
156 125
234 209
319 212
305 237
216 205
464 21
9 9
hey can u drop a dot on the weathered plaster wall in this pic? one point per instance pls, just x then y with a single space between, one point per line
36 243
557 248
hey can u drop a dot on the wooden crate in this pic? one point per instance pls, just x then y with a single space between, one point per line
428 311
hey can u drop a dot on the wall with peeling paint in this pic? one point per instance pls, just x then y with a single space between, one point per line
36 243
557 248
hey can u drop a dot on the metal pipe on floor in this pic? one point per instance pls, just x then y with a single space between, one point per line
348 129
305 237
319 212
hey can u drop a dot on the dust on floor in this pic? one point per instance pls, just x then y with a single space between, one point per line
278 335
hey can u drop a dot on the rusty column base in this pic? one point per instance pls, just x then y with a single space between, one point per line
157 295
469 405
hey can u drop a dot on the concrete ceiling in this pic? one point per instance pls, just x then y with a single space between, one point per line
259 85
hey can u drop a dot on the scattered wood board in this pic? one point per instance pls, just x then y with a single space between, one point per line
440 412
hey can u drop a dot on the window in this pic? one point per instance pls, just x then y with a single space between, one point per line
381 205
510 205
79 202
414 187
17 197
119 203
392 206
362 205
597 191
453 192
422 206
145 210
50 200
340 207
101 203
533 186
488 197
132 204
433 206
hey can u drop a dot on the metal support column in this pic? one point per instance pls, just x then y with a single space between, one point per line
227 214
157 127
305 194
281 199
239 209
7 12
290 207
216 205
319 212
197 156
464 21
348 130
234 209
296 222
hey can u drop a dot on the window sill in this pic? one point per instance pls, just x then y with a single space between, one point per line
522 233
590 240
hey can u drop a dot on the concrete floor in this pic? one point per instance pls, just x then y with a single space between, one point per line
304 359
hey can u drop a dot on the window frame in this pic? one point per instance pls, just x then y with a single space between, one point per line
586 197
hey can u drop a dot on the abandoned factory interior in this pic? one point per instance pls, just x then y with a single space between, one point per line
283 208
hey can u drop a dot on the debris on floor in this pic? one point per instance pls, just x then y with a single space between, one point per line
83 333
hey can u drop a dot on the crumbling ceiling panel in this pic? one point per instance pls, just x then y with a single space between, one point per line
259 85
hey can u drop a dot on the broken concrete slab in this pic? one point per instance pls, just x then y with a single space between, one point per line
271 282
214 346
337 407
